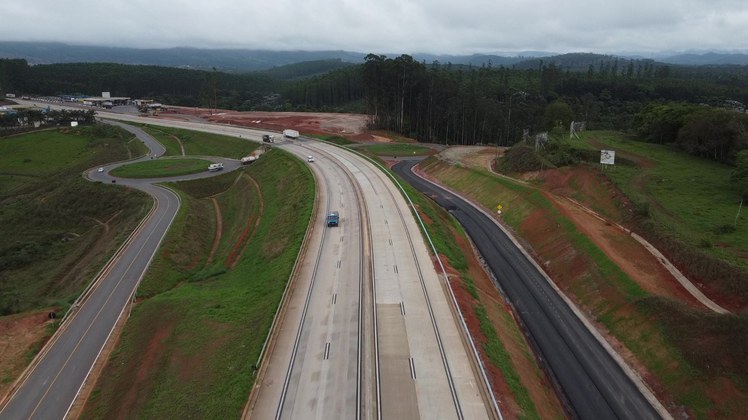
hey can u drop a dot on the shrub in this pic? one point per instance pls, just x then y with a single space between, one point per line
723 229
521 158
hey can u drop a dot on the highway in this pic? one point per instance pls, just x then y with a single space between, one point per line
594 384
368 331
52 383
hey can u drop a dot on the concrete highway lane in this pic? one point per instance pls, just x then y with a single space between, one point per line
412 362
593 383
52 384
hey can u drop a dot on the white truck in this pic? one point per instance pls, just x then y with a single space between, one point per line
213 167
291 134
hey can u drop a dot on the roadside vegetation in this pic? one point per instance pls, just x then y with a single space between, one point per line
687 206
398 149
56 228
341 141
690 356
51 217
206 304
161 168
196 143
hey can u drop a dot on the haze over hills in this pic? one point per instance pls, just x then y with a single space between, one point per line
226 60
243 60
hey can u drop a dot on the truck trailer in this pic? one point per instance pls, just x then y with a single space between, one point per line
291 134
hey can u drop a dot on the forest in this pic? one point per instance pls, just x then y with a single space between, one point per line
699 108
701 111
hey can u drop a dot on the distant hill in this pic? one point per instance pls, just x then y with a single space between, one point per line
244 60
226 60
581 62
306 69
477 60
706 59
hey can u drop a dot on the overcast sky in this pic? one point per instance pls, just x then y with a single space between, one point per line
386 26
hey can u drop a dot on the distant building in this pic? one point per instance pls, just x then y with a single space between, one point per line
104 102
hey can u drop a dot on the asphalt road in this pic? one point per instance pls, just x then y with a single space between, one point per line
594 384
51 386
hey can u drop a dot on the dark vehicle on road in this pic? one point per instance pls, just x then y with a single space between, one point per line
333 218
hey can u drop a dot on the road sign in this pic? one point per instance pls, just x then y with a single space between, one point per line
608 157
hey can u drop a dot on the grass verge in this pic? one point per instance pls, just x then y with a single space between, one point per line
190 345
56 228
341 141
692 198
398 149
161 168
661 334
197 143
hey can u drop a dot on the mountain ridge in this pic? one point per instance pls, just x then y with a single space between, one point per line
248 60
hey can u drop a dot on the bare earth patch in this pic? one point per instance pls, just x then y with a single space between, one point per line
586 185
626 253
251 227
351 126
472 156
19 334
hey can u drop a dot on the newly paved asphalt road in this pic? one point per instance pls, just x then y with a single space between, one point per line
52 385
595 386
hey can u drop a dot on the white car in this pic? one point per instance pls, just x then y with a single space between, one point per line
310 158
101 169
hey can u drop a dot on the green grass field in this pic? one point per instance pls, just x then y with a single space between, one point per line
196 143
691 352
52 235
161 168
334 139
190 346
397 149
692 197
43 153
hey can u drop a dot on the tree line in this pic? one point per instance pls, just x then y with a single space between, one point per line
709 132
436 103
445 103
38 117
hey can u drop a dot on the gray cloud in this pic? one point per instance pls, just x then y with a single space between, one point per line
435 26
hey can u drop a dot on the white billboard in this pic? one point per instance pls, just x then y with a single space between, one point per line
608 157
74 123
